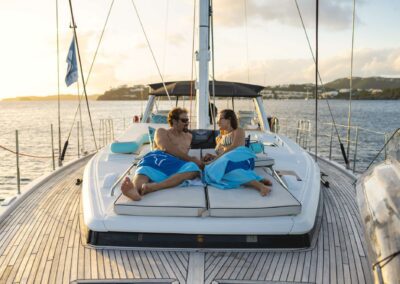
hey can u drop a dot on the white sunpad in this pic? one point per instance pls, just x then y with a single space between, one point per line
247 202
185 201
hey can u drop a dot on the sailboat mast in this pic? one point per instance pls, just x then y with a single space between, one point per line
203 58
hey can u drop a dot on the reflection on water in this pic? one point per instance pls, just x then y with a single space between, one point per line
33 120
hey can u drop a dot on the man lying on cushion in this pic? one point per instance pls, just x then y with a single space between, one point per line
169 164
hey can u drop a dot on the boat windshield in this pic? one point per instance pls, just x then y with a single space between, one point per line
244 108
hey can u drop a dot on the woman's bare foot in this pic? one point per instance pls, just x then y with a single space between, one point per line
266 182
264 190
129 190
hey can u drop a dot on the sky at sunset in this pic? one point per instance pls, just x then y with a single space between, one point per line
267 47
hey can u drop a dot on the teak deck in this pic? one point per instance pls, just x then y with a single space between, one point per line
42 242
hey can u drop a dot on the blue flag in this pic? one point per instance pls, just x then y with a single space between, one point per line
72 69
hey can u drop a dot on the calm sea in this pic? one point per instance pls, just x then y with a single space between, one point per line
33 121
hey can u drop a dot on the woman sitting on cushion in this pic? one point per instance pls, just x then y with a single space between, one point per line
234 163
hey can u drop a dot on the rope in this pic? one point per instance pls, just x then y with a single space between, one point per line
151 51
386 260
23 154
322 84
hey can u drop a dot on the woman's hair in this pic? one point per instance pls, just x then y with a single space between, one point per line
175 113
231 115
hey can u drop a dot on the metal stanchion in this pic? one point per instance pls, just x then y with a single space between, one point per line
77 136
52 148
17 155
355 151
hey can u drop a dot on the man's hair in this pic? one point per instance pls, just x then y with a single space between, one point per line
175 113
231 115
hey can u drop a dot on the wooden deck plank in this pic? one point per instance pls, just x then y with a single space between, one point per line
279 267
107 265
49 244
133 265
93 264
171 261
242 259
142 270
178 265
259 267
52 232
168 267
114 265
119 264
222 260
153 265
125 263
246 266
231 266
253 267
292 267
273 264
100 265
160 265
146 264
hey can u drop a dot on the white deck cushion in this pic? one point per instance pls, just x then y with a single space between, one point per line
247 202
186 201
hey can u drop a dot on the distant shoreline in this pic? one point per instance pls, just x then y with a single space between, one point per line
47 98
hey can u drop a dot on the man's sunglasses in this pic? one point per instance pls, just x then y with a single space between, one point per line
184 120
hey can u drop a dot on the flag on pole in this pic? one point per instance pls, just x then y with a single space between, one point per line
72 69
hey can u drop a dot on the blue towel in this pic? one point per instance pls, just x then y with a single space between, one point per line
232 169
158 166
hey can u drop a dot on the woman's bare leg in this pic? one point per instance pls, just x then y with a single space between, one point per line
261 187
169 182
132 189
266 182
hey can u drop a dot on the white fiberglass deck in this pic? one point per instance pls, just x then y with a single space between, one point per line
41 241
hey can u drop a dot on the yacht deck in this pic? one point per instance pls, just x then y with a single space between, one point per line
43 241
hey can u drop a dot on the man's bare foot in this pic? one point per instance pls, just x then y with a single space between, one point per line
129 190
264 190
147 188
266 182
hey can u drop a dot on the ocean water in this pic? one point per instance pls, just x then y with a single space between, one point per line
33 121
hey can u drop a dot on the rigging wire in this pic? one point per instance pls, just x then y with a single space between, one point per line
351 81
80 96
247 40
165 37
82 76
322 86
58 89
151 51
212 108
316 78
193 60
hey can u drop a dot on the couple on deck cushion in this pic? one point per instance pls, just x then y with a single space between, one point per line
169 164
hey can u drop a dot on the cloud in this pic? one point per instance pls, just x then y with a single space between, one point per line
334 15
176 39
367 63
